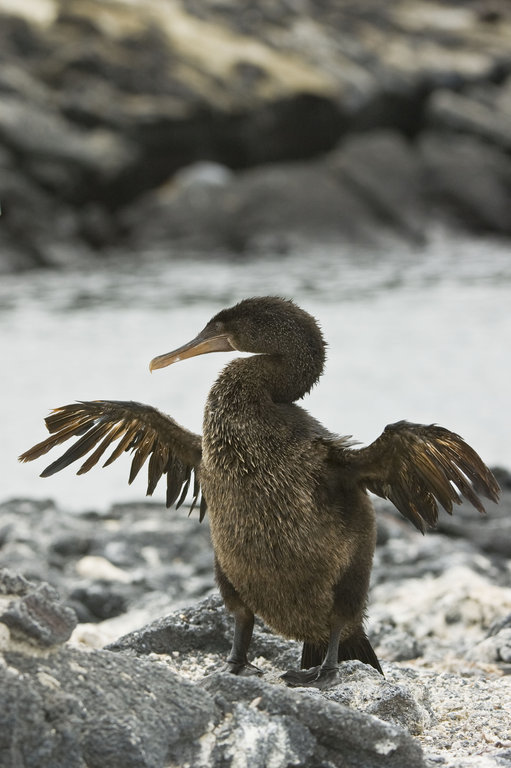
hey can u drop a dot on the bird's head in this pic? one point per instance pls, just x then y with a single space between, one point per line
261 325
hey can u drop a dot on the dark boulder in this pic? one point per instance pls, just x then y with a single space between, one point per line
467 181
363 192
383 169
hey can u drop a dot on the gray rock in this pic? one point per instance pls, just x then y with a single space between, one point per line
101 600
152 551
207 628
15 80
255 738
363 689
496 647
75 709
201 175
373 186
99 709
102 706
33 612
395 643
13 584
396 704
72 708
298 202
29 239
343 736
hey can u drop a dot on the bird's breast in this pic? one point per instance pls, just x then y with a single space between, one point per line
263 476
268 509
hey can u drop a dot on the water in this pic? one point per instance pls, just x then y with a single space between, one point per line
422 334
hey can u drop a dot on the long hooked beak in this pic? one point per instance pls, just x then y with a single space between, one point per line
202 344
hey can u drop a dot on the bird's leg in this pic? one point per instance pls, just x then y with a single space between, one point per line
326 672
237 661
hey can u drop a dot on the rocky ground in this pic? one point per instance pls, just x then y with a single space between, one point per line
106 651
242 126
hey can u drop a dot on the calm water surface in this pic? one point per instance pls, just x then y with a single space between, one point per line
418 333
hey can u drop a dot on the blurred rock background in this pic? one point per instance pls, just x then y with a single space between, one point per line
240 124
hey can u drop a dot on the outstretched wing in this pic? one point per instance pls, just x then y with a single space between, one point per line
141 429
418 467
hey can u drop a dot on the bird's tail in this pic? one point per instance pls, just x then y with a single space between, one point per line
357 646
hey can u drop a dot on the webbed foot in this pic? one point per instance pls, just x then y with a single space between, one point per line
234 668
245 669
315 677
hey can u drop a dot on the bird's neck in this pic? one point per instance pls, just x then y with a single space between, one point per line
280 378
241 418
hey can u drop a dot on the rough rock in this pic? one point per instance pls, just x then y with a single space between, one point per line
339 735
34 613
446 703
497 645
75 708
34 225
438 619
136 558
207 630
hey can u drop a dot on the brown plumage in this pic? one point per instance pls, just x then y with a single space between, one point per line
292 524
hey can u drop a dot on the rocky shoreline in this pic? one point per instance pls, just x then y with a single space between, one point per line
110 622
132 126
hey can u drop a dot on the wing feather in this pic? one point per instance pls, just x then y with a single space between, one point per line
140 455
157 462
125 426
195 493
184 490
418 467
112 434
78 449
175 480
124 443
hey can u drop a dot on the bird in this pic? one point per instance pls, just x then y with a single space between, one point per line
293 527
